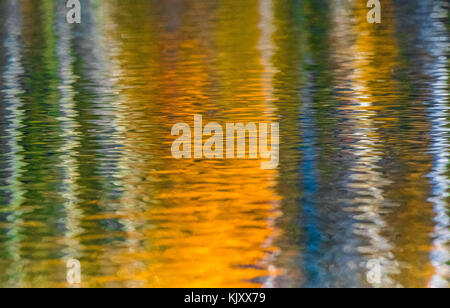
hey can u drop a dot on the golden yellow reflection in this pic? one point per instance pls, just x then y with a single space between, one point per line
212 226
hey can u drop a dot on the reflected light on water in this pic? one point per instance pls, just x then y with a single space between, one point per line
87 173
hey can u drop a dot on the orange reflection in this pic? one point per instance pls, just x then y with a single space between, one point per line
205 223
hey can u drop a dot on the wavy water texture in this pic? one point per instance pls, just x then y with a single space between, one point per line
86 170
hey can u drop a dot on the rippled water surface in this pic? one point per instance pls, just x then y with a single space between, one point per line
86 170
